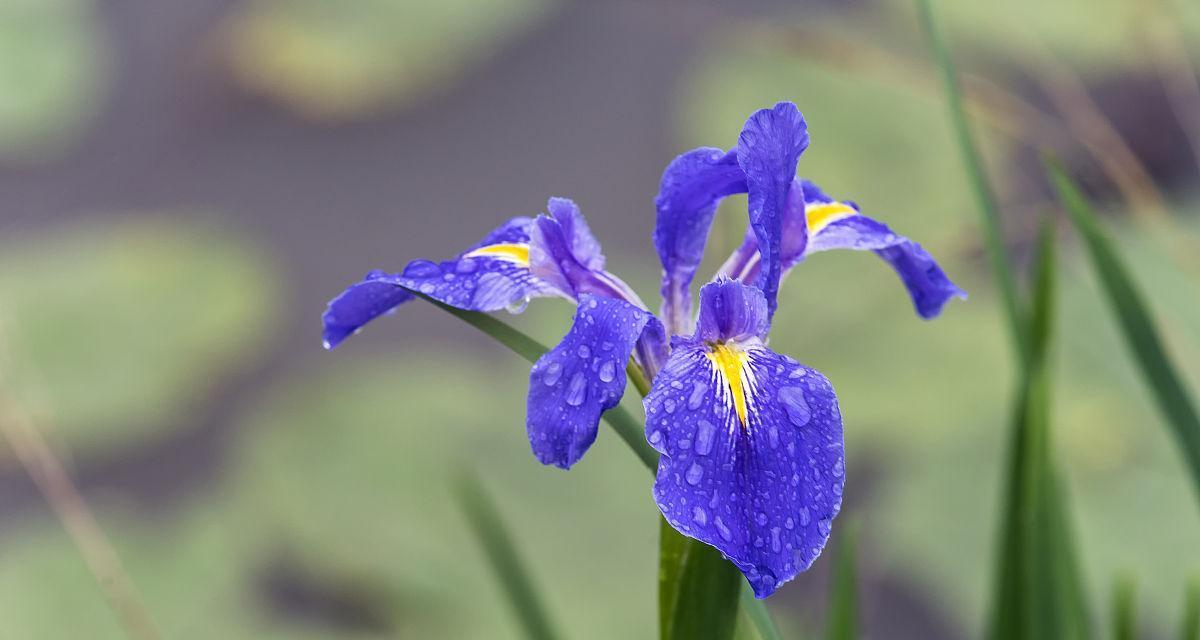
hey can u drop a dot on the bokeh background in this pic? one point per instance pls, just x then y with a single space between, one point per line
184 184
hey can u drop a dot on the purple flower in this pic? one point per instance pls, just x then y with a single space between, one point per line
752 458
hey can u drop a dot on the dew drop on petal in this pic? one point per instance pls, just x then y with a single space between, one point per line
697 396
699 515
669 405
694 474
608 371
795 405
824 526
839 468
553 373
705 431
656 437
466 265
775 546
726 534
583 350
798 372
576 390
804 517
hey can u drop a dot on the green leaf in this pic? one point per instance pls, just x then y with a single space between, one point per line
843 605
698 589
1038 592
754 622
1189 627
626 426
985 197
1123 604
505 561
1135 321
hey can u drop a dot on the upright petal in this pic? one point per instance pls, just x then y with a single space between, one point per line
494 274
571 385
768 150
752 456
564 253
691 187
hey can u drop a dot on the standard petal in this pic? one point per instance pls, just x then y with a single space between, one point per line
730 310
494 274
691 187
564 253
571 385
768 149
763 491
927 284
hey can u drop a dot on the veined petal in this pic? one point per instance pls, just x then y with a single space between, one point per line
841 226
564 253
752 455
571 385
691 187
768 150
494 274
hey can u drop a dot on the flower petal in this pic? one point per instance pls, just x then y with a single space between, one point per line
571 385
751 442
927 284
691 187
494 274
768 149
564 253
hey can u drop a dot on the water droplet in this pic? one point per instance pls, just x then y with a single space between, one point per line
705 431
694 474
726 534
837 489
760 518
824 526
517 306
699 515
583 349
606 345
553 373
421 269
592 303
669 405
773 436
795 405
427 288
798 372
839 468
767 582
576 390
466 265
697 396
656 437
775 546
804 517
608 371
675 384
789 523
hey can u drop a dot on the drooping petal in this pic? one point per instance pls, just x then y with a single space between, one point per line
752 455
846 228
768 150
691 187
564 253
571 385
494 274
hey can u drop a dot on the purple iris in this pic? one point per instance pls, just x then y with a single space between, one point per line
752 458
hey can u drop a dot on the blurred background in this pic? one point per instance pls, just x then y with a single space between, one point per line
183 185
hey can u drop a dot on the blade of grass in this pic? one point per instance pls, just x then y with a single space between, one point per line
1124 621
1189 626
1038 590
488 527
1136 324
754 623
698 589
985 199
843 606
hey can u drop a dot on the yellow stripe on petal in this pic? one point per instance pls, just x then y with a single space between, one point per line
514 253
821 215
730 363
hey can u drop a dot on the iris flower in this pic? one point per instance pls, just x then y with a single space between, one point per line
752 459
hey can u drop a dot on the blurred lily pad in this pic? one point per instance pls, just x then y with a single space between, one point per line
52 66
116 329
334 60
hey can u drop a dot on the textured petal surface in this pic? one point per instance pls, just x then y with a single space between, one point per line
582 377
751 442
691 187
768 149
764 494
928 286
478 280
